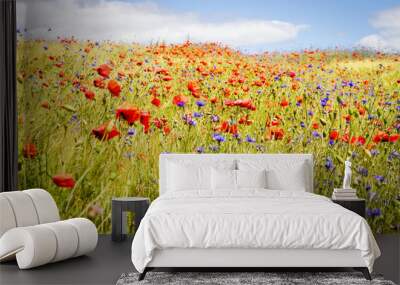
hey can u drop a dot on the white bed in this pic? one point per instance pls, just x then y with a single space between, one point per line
249 227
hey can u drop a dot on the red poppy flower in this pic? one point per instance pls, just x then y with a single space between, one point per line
194 89
393 138
245 121
315 126
334 135
179 100
99 83
161 71
89 95
224 126
284 103
361 140
345 138
292 74
275 122
166 130
114 88
29 150
277 133
104 70
129 112
228 128
156 102
244 103
145 121
167 78
64 180
214 100
158 123
106 131
227 92
347 117
233 129
380 136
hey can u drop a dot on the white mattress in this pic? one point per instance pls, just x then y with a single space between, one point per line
252 219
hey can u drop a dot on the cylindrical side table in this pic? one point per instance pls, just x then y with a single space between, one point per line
121 205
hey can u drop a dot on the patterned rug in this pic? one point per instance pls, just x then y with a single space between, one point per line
244 278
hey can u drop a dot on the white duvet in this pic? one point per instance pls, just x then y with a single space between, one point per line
250 219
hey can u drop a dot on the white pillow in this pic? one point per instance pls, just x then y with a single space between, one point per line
292 179
290 174
251 178
223 179
183 178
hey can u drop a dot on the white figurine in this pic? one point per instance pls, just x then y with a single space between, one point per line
347 175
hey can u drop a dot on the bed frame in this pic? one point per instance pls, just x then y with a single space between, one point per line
242 259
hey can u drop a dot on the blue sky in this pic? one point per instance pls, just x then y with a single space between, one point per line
249 25
331 22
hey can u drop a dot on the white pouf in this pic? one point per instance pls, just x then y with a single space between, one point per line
31 232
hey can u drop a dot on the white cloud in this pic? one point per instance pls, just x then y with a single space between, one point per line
387 38
143 22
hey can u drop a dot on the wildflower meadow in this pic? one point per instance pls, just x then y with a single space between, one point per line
94 117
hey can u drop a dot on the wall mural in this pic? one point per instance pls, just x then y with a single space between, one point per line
94 115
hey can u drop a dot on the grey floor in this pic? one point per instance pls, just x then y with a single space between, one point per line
110 260
103 266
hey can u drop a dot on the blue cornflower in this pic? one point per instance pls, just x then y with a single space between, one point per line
200 149
363 171
329 163
200 103
249 139
197 115
214 118
379 178
181 104
192 123
276 78
319 87
302 124
310 112
298 103
374 152
74 118
131 131
219 138
316 134
376 212
331 142
393 154
324 101
368 187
